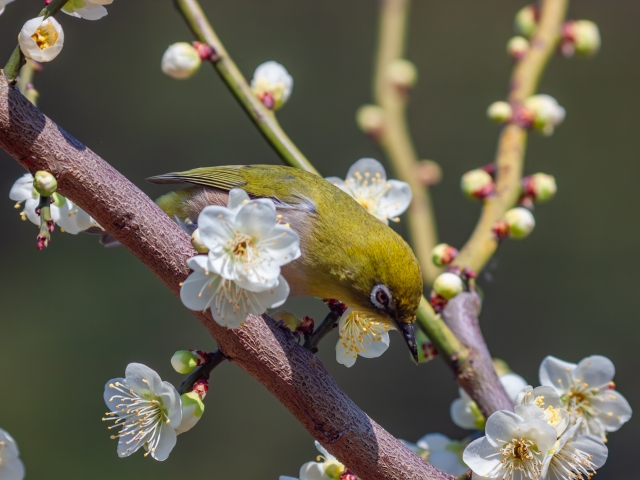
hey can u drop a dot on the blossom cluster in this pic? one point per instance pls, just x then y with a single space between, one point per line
558 430
240 275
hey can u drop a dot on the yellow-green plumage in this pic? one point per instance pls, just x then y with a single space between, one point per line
346 252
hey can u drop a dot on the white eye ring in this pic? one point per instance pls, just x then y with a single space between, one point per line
378 294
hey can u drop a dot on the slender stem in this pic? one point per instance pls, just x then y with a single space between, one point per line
448 346
396 140
203 371
323 329
513 139
263 118
25 82
17 59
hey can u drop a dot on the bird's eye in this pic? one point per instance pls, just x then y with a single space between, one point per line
381 297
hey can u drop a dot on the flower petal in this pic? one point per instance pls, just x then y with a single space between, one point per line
365 166
171 403
512 383
256 218
556 373
462 415
481 456
109 393
194 293
338 182
166 442
22 189
237 198
592 446
30 207
396 200
281 244
344 356
142 379
313 471
448 462
273 298
596 371
613 409
215 225
502 424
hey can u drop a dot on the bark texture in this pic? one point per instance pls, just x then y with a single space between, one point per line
268 353
476 375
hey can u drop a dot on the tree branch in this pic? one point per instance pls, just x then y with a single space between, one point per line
476 373
395 138
262 117
513 139
268 353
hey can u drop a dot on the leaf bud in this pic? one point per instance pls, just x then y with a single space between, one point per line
288 319
500 112
186 361
520 221
581 37
196 242
192 411
540 186
45 183
443 254
517 47
477 184
371 120
526 20
448 285
428 172
501 367
181 61
402 73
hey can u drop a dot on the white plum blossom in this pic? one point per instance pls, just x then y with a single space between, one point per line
87 9
3 4
272 84
574 456
241 273
587 391
542 402
360 335
64 212
11 467
181 61
367 183
146 409
442 452
514 448
41 40
326 468
466 414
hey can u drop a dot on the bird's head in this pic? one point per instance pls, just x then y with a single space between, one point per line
388 285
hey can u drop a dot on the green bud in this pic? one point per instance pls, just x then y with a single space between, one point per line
192 411
517 47
501 367
526 20
58 200
586 37
196 241
402 73
542 186
45 183
443 254
477 184
333 469
448 285
184 361
500 112
520 221
371 119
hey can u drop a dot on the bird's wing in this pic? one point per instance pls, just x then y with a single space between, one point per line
281 184
224 178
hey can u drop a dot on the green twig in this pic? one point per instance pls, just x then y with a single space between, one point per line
17 60
263 118
203 371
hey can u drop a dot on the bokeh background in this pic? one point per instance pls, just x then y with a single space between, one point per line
75 315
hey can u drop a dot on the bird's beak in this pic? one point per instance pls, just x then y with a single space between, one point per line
408 333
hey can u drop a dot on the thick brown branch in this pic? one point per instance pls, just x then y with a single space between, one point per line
266 352
476 374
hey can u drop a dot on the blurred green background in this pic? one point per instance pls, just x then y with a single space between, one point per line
570 290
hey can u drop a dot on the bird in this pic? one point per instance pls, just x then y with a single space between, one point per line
347 253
